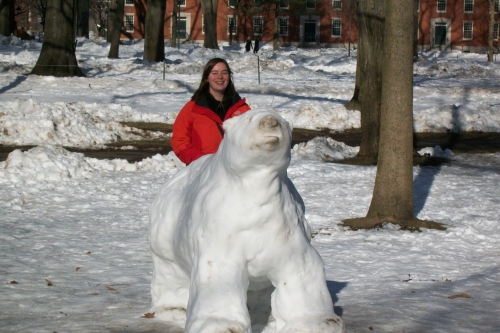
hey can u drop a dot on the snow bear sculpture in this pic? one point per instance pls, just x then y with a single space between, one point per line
232 223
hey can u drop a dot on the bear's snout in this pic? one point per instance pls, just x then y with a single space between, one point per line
268 122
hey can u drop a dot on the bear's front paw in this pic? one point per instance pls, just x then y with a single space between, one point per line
215 325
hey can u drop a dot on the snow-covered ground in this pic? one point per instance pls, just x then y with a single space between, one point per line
73 229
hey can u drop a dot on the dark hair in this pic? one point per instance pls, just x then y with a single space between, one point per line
203 89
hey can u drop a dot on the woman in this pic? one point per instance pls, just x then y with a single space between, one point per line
197 130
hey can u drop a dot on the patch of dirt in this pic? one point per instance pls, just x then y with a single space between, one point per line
475 142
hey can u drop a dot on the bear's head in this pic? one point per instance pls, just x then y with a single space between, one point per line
257 137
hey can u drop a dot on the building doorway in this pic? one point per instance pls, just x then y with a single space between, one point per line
440 32
181 28
310 31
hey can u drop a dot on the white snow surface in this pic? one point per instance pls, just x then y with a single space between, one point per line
73 229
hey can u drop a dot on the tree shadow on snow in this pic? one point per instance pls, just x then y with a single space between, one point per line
334 288
14 84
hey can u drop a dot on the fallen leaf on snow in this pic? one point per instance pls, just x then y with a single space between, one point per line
110 288
77 269
49 283
13 282
149 315
460 296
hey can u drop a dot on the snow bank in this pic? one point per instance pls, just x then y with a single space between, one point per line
323 149
53 163
480 117
29 122
335 117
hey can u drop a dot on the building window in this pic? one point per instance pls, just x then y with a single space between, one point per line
257 25
129 2
418 5
283 26
337 4
441 6
467 31
284 4
232 3
203 24
231 25
336 27
181 3
495 31
496 5
258 3
468 6
129 23
310 4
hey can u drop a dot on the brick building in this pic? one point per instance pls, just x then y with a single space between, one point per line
442 24
308 23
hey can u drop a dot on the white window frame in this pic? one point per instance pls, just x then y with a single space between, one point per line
471 4
337 4
261 25
125 22
284 4
336 19
471 31
280 20
441 2
310 1
129 2
235 30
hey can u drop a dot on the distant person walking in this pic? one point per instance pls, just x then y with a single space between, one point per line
256 47
248 45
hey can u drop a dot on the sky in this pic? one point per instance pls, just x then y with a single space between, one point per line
73 231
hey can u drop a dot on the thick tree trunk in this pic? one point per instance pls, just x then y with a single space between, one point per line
393 191
5 24
354 103
490 30
83 19
370 57
154 43
57 57
115 23
416 3
209 8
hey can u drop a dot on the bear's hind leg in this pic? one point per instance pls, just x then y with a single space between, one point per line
301 301
169 291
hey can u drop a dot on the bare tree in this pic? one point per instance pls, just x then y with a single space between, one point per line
371 18
83 18
209 8
115 23
5 23
99 10
40 8
491 28
57 57
154 44
392 199
175 18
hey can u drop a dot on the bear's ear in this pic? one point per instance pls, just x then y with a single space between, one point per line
229 123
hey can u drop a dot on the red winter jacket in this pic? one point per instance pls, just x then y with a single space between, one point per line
197 130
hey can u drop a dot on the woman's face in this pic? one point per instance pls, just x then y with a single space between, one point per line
218 79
